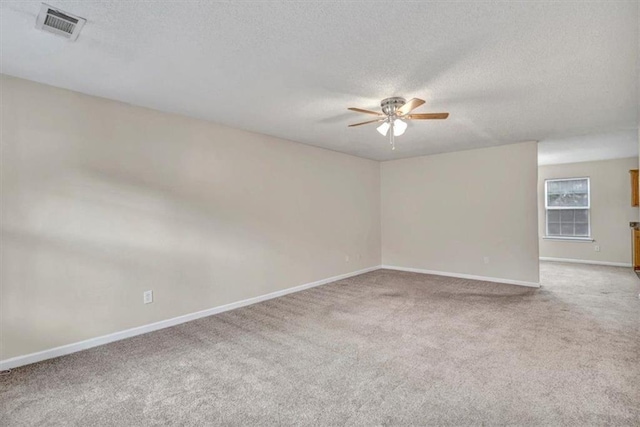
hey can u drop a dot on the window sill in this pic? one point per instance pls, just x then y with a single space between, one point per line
570 239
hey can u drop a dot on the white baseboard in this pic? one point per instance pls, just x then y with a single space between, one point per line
27 359
464 276
584 261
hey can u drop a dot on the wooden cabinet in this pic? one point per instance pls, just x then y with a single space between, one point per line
636 249
635 196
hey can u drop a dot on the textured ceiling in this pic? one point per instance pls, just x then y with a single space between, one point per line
507 72
585 148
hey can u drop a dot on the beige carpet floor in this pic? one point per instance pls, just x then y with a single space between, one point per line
385 347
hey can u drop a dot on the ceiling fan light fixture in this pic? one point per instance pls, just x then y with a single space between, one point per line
396 112
399 127
383 128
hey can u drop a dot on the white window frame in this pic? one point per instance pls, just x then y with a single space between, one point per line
587 238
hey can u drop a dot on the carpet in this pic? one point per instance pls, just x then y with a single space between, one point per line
382 348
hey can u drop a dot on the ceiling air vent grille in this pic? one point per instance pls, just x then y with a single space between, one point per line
58 22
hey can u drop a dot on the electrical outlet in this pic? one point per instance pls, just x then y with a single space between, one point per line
596 248
346 258
147 297
486 260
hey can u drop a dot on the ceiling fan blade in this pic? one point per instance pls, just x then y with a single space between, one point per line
427 116
412 104
366 123
360 110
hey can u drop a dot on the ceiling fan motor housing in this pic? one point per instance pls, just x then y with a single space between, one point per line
391 105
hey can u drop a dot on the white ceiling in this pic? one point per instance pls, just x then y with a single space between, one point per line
586 148
507 72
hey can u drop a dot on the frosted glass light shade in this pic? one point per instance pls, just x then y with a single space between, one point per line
383 128
399 127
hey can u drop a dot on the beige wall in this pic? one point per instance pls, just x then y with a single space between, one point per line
611 211
448 212
102 201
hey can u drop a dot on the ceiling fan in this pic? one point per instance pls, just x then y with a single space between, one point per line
394 111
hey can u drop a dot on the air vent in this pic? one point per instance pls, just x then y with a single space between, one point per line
59 22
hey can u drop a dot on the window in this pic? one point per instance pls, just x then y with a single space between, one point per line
567 203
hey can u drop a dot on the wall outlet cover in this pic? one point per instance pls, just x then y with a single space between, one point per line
147 297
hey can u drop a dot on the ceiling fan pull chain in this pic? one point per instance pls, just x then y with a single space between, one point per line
391 132
392 137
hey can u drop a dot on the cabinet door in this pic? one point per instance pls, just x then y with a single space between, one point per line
636 249
635 195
